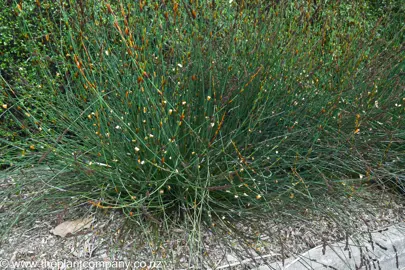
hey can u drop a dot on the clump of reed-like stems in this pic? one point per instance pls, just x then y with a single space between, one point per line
220 111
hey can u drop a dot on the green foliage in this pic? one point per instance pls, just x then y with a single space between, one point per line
29 43
390 16
216 111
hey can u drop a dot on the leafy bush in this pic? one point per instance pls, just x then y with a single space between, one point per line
27 38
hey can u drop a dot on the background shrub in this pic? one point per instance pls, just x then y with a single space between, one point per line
28 38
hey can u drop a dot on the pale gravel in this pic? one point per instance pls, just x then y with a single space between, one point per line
111 239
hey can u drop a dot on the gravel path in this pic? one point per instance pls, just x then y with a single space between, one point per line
114 243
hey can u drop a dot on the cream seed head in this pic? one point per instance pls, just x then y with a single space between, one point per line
137 149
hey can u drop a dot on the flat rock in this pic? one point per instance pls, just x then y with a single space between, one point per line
383 249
